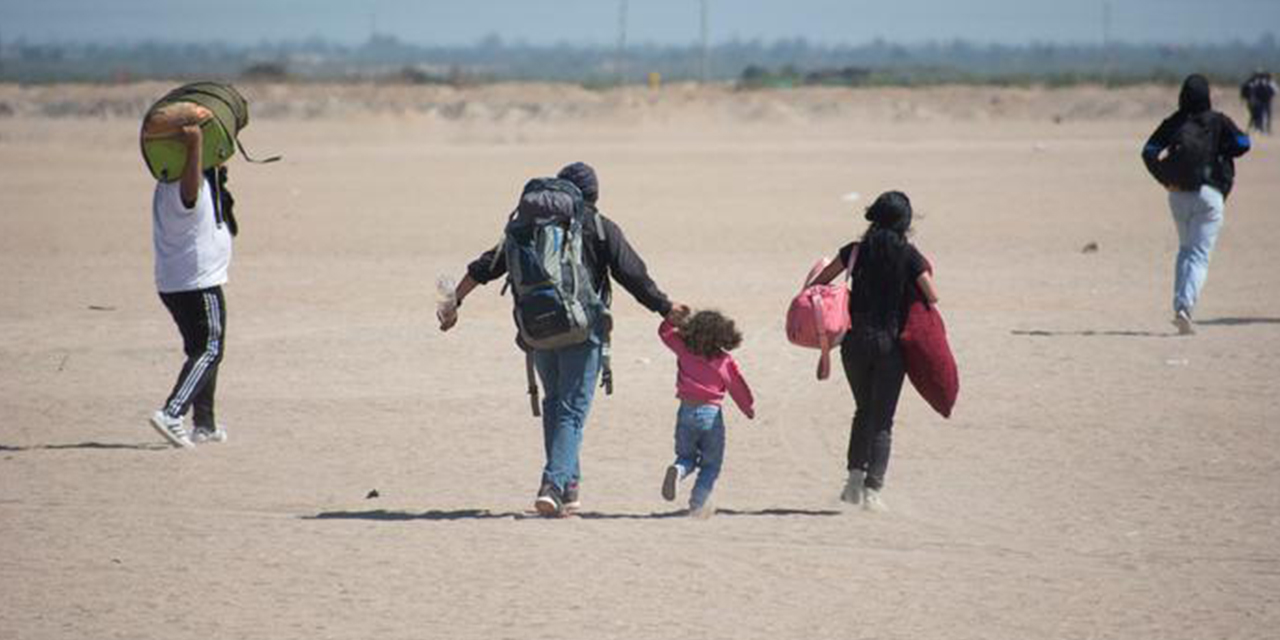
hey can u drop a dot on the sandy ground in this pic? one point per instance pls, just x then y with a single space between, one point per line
1101 478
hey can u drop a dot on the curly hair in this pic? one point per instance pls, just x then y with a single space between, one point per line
710 333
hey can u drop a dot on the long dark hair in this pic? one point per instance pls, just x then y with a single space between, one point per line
880 271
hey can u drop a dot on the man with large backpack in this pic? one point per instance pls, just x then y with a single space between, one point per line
1191 153
559 253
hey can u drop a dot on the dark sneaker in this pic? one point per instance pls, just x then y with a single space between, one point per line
572 500
669 482
550 502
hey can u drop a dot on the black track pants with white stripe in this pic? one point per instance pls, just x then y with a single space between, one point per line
202 318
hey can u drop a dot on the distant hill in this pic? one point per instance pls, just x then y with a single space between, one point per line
779 63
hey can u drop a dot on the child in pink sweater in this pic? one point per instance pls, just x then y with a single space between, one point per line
705 371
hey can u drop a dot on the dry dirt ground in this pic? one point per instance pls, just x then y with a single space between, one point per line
1101 477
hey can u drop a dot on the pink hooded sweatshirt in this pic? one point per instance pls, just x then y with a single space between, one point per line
704 380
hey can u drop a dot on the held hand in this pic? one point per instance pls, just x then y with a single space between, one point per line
678 314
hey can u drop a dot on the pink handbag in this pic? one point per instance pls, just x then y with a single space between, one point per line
819 315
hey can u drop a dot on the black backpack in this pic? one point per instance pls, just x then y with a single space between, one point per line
1192 153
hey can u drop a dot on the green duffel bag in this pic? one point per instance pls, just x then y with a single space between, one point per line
220 111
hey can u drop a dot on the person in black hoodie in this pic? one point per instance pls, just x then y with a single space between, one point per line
569 373
1191 154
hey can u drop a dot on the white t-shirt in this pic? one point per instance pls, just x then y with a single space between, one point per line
192 246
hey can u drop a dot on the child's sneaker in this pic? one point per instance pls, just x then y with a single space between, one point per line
853 487
572 499
669 482
172 429
549 503
1182 320
205 435
871 501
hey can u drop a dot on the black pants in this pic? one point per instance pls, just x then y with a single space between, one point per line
873 365
201 317
1260 116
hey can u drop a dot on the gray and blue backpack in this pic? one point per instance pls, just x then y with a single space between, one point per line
556 303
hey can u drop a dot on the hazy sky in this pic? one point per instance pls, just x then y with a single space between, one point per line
658 21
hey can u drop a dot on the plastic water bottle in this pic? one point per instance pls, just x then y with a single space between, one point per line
446 298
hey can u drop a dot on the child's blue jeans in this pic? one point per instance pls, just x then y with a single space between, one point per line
700 445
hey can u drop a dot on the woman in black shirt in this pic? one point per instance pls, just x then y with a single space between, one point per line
886 275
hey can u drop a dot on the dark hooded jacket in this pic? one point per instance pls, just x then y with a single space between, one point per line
1194 103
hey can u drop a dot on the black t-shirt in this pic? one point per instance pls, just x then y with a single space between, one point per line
860 305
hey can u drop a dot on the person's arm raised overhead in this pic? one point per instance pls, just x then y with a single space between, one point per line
192 172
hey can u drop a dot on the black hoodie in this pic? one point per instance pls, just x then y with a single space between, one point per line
1194 103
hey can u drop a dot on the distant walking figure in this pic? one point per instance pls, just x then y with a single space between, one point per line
1257 93
1191 153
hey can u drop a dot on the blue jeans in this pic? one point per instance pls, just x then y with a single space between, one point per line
569 381
1198 217
700 445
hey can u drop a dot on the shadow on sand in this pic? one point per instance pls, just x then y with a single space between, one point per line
106 446
1211 322
1089 333
1237 322
484 514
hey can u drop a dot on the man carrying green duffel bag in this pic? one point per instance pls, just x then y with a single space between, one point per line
186 138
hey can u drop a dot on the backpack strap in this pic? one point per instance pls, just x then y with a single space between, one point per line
240 145
824 342
533 384
606 295
606 364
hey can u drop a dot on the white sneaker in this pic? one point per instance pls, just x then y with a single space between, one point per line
172 429
853 488
670 480
871 501
1182 320
216 435
702 513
